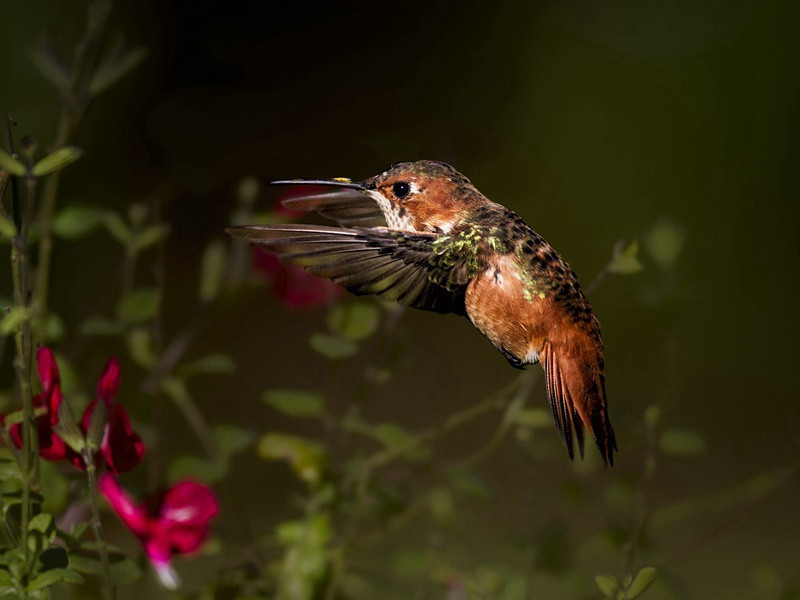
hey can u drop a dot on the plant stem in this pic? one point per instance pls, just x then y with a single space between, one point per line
75 103
109 593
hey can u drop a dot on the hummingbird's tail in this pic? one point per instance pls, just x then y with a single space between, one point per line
577 394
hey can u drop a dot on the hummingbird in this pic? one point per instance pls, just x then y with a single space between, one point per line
421 234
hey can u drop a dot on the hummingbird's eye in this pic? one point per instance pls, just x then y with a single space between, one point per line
401 189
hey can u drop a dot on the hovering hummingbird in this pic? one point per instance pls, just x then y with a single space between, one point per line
423 235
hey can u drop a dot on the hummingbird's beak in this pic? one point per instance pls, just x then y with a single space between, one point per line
333 183
340 199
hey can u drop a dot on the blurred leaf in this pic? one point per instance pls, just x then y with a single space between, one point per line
140 347
535 418
212 270
86 559
14 318
55 161
51 65
332 347
442 506
248 190
354 321
204 470
641 582
676 441
117 227
296 403
469 482
664 243
75 221
208 365
307 459
67 428
44 524
97 428
607 584
137 214
232 439
149 236
111 71
305 560
7 227
139 305
53 576
54 328
11 164
98 325
625 259
399 440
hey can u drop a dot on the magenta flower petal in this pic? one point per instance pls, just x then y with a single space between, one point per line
108 384
48 370
122 448
175 522
293 285
133 515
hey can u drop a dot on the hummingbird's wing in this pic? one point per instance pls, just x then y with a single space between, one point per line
389 263
342 202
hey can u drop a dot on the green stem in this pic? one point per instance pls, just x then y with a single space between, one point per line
76 101
109 593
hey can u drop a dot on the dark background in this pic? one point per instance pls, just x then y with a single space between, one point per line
594 121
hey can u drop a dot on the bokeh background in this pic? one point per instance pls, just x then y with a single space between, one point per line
594 121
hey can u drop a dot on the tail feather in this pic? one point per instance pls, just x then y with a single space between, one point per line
576 391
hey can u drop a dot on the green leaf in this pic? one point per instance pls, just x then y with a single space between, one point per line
51 65
86 559
14 318
11 164
212 270
195 467
149 236
354 321
641 582
332 347
307 459
7 227
98 325
118 228
401 441
55 161
139 305
54 328
140 347
442 505
97 428
676 441
625 259
607 584
664 243
53 576
73 222
208 365
296 403
41 532
110 71
232 439
467 481
67 428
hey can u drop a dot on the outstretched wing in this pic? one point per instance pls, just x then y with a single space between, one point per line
405 266
342 202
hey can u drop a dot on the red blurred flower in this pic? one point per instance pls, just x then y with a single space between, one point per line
293 285
173 522
121 448
51 447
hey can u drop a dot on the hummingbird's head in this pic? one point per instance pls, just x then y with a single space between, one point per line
425 195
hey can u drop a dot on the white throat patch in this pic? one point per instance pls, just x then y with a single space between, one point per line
395 216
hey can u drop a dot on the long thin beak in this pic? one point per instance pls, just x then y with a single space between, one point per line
341 183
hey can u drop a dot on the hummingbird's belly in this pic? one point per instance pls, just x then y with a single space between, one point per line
496 304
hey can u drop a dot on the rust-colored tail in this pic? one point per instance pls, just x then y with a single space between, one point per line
577 393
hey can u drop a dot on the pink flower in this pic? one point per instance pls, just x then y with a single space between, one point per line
121 448
293 285
173 522
51 447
